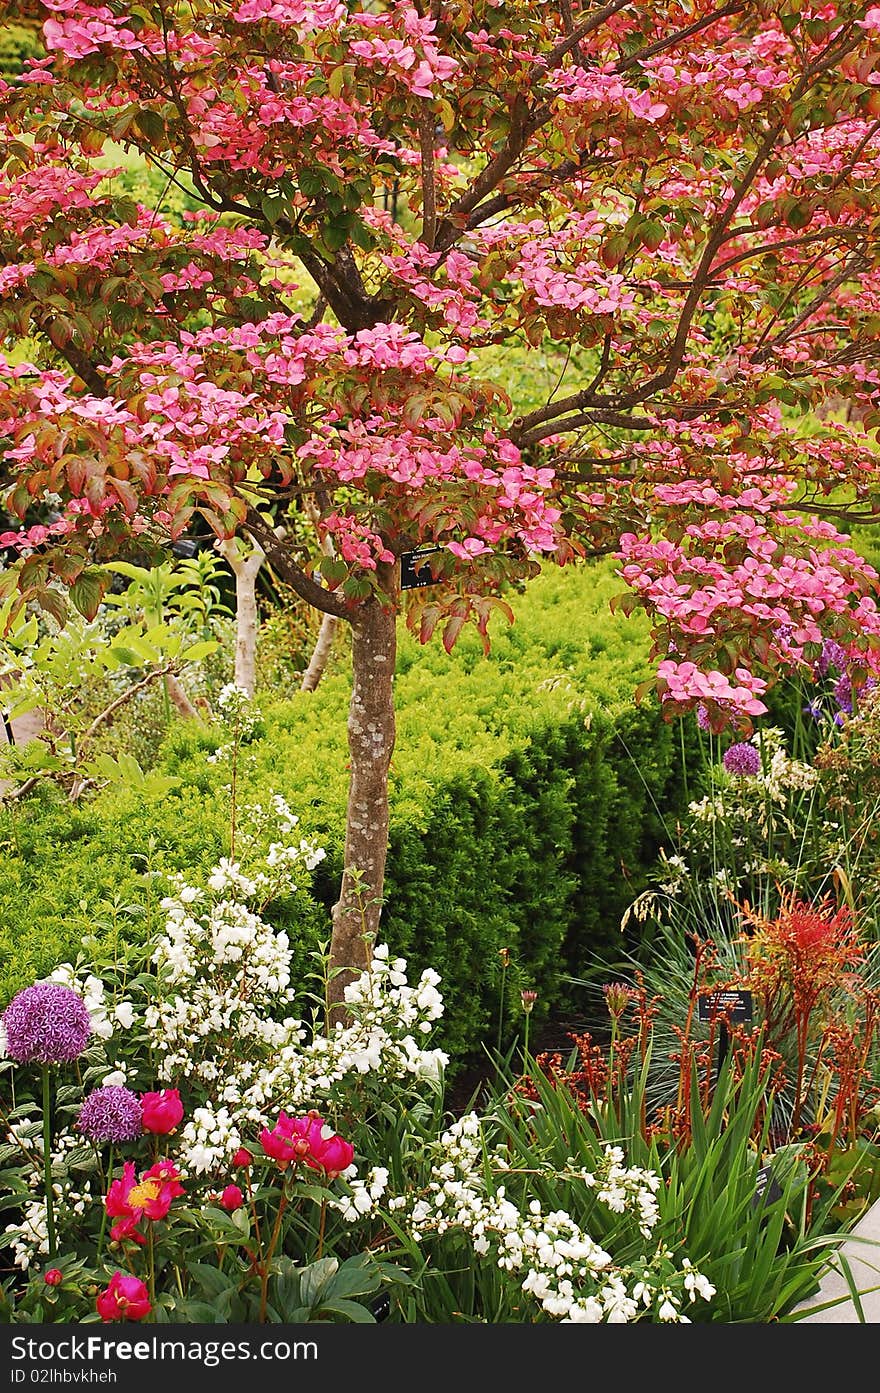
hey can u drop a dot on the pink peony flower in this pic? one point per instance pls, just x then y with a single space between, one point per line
288 1141
130 1200
162 1111
126 1298
307 1139
232 1198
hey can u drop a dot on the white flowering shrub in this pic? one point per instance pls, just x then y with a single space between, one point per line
382 1045
546 1255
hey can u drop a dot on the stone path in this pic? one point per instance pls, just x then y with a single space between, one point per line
862 1251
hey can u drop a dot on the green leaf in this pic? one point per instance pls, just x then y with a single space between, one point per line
273 208
356 1277
352 1310
210 1280
126 657
150 124
87 591
314 1278
335 234
197 651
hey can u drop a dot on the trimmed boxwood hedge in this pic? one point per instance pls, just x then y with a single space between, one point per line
527 792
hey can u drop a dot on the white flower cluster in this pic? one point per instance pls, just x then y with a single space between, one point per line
210 1137
381 1043
570 1275
363 1195
29 1238
227 970
238 714
739 800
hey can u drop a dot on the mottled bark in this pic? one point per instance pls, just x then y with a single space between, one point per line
371 731
330 622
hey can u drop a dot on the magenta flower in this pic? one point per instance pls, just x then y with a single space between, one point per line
162 1111
46 1024
126 1298
307 1139
232 1198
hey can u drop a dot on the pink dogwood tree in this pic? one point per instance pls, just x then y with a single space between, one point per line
678 201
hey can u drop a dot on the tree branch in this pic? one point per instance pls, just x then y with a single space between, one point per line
589 26
304 586
845 274
526 425
429 191
110 711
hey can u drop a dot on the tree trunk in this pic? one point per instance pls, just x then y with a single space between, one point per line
320 653
371 731
180 699
245 569
329 622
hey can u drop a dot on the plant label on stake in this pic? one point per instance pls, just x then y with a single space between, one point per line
767 1187
732 1005
410 578
728 1005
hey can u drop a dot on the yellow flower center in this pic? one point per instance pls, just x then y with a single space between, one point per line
139 1196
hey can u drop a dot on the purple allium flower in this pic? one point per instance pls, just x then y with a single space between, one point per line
843 694
832 656
742 759
110 1114
703 717
46 1024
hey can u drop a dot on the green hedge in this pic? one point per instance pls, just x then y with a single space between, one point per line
525 791
18 42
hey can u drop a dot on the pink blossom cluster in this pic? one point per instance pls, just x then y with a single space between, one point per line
300 14
355 541
86 28
605 89
29 199
414 59
684 684
443 283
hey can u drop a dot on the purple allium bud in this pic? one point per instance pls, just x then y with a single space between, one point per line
843 694
742 759
703 717
111 1113
832 656
46 1024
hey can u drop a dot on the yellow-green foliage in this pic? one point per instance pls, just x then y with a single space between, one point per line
523 791
17 43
